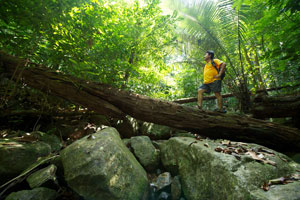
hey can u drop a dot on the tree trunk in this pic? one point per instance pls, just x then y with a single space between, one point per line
244 98
257 67
194 99
256 85
111 101
286 106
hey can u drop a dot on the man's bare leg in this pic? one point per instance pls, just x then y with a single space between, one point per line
219 100
200 98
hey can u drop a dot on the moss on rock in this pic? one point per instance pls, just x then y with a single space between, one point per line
101 167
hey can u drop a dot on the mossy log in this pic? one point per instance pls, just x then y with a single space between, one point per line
117 103
276 107
194 99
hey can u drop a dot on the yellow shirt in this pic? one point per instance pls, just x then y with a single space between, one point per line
210 71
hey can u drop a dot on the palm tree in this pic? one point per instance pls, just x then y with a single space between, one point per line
219 26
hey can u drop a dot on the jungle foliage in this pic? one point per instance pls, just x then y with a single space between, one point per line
257 39
136 45
119 43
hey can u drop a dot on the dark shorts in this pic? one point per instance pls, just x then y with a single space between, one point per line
212 87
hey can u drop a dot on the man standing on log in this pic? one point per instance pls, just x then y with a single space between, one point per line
213 73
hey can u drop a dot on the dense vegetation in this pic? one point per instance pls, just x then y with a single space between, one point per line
71 68
155 48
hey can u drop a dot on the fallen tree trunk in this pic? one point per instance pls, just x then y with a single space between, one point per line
43 113
285 106
111 101
194 99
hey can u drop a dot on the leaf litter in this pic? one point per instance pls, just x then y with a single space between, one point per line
280 181
260 155
239 148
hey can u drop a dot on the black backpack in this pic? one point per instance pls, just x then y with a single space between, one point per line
218 70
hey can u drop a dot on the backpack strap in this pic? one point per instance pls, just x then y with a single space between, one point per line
218 70
214 64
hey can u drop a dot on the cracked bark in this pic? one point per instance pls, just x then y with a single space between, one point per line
117 103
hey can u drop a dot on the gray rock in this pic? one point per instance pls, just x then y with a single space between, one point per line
176 188
145 152
35 194
16 156
42 176
163 180
289 191
102 167
208 174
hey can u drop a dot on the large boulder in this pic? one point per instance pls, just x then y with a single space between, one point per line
42 176
176 188
100 166
218 169
284 191
16 156
40 193
145 151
